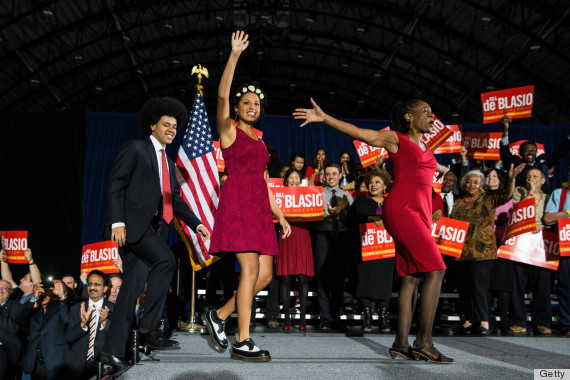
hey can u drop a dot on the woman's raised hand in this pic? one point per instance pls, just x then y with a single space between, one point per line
239 41
313 115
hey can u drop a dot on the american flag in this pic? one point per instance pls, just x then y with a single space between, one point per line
197 175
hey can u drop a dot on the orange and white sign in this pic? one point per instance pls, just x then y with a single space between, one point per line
515 148
368 153
437 182
483 145
218 151
516 102
300 203
541 249
453 142
449 235
15 244
100 256
376 242
523 218
564 236
275 182
438 135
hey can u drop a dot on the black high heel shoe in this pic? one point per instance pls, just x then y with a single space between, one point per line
403 351
422 353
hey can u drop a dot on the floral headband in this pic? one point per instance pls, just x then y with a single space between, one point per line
251 88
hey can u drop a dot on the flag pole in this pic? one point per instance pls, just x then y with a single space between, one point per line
192 326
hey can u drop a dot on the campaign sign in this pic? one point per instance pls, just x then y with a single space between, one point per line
453 142
218 151
368 153
100 256
275 182
376 242
564 236
219 159
437 182
523 218
540 249
482 145
15 244
300 203
449 235
438 135
515 148
516 102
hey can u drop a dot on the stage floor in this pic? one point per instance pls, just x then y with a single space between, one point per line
317 355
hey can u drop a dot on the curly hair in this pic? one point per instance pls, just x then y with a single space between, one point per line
384 175
243 89
155 108
400 109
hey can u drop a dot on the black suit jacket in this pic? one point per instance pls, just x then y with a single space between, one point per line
47 331
12 314
133 191
445 206
78 339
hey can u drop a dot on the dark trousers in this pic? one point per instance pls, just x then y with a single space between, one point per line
537 280
149 260
564 290
272 302
475 286
330 263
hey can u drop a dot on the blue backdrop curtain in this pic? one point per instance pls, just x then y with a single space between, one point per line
106 132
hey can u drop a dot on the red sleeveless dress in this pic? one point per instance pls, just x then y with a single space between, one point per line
407 209
243 221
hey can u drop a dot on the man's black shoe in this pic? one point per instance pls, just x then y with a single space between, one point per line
156 341
116 363
325 325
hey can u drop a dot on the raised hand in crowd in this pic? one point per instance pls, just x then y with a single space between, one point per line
37 291
83 277
34 270
117 263
505 123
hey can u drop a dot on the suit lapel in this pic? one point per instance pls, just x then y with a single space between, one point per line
153 159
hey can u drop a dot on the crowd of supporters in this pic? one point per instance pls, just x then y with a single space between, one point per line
55 328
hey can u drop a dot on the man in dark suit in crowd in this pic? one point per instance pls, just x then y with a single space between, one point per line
142 196
89 323
12 313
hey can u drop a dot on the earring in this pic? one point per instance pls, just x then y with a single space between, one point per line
237 116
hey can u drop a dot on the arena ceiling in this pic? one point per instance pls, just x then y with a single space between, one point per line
355 57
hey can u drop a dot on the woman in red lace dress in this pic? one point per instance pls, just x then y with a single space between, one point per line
407 216
243 224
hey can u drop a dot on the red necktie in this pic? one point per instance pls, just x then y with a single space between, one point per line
166 194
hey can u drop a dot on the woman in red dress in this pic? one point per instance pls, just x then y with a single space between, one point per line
407 216
243 224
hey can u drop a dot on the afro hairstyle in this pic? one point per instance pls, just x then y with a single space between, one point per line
155 108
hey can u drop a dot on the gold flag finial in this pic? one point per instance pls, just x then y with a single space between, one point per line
200 71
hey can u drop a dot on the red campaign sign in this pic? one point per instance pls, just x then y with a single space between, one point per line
218 151
449 235
453 142
437 183
368 153
438 135
564 236
523 218
100 256
541 249
15 244
516 102
376 243
275 182
300 203
483 145
515 147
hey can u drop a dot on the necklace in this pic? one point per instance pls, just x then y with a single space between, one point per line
472 200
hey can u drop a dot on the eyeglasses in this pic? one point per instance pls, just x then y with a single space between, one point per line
5 289
95 284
